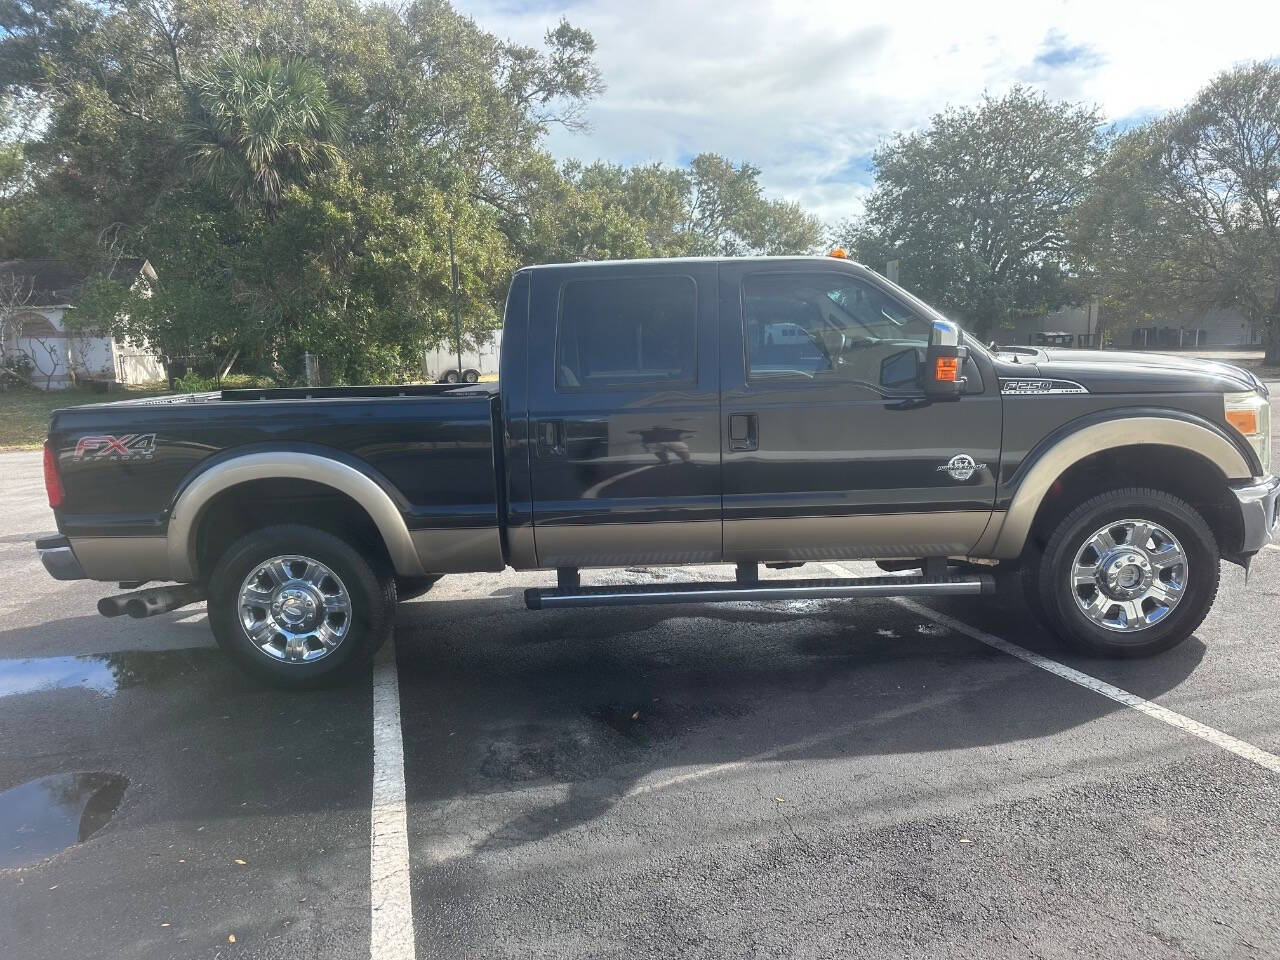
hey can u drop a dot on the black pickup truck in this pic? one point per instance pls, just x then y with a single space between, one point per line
700 411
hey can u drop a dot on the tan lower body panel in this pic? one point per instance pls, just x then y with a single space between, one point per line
147 558
619 544
461 550
123 558
854 537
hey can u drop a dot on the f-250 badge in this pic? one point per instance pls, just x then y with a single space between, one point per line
961 467
131 446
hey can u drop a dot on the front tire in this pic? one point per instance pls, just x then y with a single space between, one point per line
1128 573
296 606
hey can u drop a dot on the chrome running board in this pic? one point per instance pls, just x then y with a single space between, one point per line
548 598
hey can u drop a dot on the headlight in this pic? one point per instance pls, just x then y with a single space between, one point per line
1250 414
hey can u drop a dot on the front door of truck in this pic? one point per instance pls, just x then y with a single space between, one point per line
624 414
830 448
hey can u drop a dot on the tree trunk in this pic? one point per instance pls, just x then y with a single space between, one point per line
1271 340
174 370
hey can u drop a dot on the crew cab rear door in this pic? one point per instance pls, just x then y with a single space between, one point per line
624 414
830 448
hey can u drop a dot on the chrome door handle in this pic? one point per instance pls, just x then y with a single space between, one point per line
744 431
551 438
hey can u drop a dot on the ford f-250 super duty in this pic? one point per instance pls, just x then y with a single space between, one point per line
700 411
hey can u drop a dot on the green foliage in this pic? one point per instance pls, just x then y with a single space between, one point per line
194 382
728 215
296 173
977 206
260 124
1186 212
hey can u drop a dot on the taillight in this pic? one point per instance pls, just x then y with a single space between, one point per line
52 482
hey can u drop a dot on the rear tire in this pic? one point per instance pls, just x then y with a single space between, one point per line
1128 573
297 607
471 376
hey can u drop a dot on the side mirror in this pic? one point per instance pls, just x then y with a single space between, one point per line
944 359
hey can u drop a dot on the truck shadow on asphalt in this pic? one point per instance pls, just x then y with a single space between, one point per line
547 721
576 709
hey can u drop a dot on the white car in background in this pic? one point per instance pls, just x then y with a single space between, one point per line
786 334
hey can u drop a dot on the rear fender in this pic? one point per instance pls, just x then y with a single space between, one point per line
184 518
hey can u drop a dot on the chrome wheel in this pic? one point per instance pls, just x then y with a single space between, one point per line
1129 575
294 609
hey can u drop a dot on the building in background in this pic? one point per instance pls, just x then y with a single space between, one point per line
1080 327
39 295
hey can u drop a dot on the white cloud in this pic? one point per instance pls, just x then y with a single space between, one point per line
807 90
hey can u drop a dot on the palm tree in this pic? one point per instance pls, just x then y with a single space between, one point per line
261 123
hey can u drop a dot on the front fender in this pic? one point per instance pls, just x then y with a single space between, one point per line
1005 538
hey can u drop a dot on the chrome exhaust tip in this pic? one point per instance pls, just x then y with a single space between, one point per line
155 600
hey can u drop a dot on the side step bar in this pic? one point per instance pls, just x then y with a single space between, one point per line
544 598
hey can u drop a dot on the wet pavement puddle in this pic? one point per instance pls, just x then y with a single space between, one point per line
102 674
56 673
43 817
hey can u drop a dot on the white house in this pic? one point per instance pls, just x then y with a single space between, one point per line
37 295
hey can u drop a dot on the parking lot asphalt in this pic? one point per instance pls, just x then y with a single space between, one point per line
810 779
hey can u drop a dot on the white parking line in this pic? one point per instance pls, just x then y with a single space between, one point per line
391 926
1227 742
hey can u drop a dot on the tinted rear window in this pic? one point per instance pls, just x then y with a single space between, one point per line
633 331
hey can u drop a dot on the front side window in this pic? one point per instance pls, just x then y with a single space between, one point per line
633 331
824 326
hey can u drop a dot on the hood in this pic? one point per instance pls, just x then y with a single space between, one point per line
1107 371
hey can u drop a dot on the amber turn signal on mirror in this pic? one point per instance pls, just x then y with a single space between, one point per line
946 368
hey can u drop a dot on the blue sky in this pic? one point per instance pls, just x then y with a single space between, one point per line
807 90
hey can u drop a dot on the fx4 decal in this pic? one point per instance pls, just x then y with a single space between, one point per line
131 446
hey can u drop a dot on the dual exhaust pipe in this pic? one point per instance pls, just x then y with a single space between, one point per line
148 603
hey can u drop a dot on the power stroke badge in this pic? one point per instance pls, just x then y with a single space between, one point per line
961 467
131 446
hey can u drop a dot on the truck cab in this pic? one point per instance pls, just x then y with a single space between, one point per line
674 431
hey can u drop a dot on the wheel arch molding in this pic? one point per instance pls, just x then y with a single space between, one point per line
313 463
1085 437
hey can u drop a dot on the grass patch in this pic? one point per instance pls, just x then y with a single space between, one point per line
24 413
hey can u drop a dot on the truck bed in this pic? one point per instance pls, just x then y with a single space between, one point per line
431 446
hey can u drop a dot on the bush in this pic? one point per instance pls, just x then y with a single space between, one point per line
15 370
193 382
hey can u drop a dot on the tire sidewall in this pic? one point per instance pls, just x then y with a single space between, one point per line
372 595
1058 600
